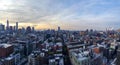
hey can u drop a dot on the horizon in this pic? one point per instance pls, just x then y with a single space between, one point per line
20 27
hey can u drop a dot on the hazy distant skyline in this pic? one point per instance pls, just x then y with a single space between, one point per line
68 14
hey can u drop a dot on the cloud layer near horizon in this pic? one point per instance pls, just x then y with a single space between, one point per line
69 14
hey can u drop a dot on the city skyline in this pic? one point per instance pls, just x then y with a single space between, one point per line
70 15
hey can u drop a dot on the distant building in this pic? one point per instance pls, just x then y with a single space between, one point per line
23 30
58 29
58 34
16 26
7 27
11 28
2 27
28 29
33 29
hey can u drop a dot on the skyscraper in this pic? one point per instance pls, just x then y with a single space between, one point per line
59 29
7 27
16 26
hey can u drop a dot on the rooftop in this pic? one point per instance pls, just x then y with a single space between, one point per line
9 58
5 45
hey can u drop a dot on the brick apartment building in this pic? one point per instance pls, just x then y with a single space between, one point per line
6 50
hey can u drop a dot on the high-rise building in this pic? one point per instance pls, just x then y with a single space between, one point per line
7 27
16 26
58 28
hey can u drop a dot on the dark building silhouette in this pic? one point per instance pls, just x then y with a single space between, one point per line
7 27
28 29
16 26
2 27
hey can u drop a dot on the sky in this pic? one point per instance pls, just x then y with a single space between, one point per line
68 14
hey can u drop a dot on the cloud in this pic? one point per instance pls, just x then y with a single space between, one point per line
72 14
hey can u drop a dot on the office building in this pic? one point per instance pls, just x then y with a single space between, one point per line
58 29
7 27
16 26
2 27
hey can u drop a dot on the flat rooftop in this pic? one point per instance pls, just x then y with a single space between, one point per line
5 45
